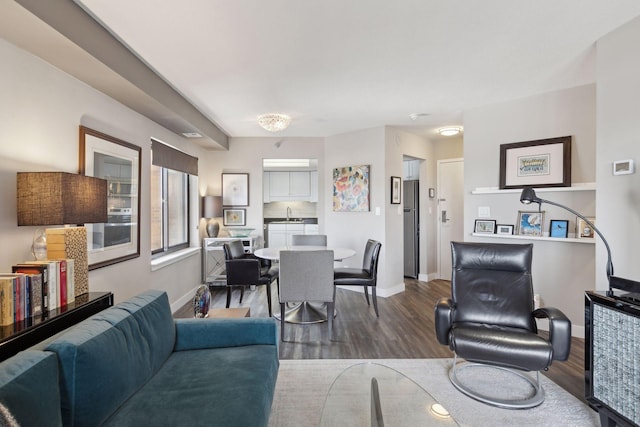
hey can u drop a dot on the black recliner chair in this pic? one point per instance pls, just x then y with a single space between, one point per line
490 318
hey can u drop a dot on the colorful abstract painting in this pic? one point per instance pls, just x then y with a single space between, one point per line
351 189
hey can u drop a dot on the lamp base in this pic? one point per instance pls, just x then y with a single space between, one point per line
213 228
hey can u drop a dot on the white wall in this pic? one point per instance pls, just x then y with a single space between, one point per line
618 131
41 109
245 155
561 271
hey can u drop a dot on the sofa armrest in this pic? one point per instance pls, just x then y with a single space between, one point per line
559 331
193 334
443 320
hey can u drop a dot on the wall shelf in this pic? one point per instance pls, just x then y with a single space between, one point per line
547 239
582 186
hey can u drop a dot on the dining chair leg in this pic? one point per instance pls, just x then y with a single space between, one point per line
228 296
269 298
330 311
282 320
375 300
366 294
241 293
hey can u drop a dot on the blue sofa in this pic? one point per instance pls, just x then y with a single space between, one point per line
133 365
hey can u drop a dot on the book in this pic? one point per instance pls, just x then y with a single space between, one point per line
41 270
71 275
52 275
62 282
6 301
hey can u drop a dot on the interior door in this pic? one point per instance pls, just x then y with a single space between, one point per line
450 211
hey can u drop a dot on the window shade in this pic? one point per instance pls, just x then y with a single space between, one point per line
166 156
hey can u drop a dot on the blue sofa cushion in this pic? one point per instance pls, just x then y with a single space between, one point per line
108 357
29 388
234 385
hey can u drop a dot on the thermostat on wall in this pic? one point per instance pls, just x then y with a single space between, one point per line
623 167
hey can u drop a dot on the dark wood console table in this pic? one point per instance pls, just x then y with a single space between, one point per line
29 332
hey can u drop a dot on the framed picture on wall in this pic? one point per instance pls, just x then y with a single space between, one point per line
234 217
583 229
396 190
235 189
541 163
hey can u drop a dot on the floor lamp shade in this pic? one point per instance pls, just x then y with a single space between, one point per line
57 198
212 208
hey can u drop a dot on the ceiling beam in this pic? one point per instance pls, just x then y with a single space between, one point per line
178 114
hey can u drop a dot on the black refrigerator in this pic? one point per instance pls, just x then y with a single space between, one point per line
410 198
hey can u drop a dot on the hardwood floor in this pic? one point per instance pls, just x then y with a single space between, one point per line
404 330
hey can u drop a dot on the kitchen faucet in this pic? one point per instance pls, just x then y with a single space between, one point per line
288 213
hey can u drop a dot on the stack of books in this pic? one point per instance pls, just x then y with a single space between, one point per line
34 288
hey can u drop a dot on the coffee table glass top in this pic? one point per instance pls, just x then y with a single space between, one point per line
402 402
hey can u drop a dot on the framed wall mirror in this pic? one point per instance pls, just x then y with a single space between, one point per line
118 162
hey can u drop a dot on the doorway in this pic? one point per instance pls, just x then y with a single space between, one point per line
450 211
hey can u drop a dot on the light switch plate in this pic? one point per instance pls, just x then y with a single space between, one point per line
484 212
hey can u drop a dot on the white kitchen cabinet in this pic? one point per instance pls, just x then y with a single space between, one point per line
313 177
280 234
311 229
287 186
411 169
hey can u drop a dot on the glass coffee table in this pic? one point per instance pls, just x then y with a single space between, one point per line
374 395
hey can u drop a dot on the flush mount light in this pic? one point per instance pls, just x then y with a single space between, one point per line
450 131
274 122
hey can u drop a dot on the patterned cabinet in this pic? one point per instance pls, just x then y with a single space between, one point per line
213 266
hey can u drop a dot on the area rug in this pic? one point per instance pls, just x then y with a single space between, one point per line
303 386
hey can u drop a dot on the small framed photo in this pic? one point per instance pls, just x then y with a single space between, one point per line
530 223
485 226
396 190
234 217
559 228
583 229
504 229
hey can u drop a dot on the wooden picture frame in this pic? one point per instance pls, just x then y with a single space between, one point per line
396 190
559 228
505 229
530 223
485 226
235 189
118 162
234 217
541 163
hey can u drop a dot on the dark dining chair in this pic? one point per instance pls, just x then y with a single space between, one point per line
366 276
309 240
246 269
490 321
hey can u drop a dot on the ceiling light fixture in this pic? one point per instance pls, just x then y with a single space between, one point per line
416 116
450 131
274 122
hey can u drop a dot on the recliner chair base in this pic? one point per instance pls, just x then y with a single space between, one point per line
535 399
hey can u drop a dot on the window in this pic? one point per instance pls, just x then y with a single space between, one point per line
170 198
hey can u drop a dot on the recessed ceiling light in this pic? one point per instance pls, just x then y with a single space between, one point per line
450 131
191 135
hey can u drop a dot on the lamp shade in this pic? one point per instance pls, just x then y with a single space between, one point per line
211 206
58 198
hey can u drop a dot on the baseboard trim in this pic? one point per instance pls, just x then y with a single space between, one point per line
576 331
180 302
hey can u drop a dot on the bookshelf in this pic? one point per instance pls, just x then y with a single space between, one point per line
29 332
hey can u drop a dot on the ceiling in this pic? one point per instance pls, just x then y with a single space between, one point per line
337 66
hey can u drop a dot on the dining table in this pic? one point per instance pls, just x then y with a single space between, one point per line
306 311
